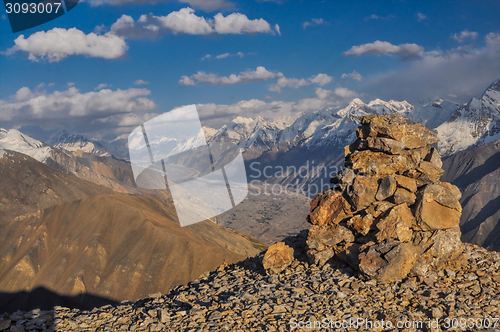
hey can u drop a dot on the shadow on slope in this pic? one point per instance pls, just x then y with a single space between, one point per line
45 299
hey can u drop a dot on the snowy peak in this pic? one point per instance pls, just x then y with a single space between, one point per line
432 114
75 142
16 141
476 123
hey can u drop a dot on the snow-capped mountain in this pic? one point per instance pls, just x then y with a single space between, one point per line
75 142
433 114
324 127
14 140
475 123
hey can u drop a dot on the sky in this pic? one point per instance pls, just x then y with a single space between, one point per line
107 66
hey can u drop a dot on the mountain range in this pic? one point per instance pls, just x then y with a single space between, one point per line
75 184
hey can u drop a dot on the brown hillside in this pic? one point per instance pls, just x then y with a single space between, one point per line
28 185
117 246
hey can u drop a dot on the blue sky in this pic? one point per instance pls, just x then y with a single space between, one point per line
101 67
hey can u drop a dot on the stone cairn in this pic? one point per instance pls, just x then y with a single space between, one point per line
389 216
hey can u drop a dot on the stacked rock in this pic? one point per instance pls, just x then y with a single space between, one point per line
389 216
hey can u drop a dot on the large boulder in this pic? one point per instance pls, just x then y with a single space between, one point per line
277 258
437 208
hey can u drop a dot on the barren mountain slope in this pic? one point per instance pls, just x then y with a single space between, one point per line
27 185
476 172
117 246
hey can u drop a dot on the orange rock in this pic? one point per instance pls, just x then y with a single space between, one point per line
329 208
277 257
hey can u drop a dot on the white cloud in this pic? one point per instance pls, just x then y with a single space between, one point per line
141 82
339 92
100 86
466 34
259 74
185 80
464 72
237 23
313 22
216 115
71 103
381 47
222 56
353 76
23 94
58 43
295 83
277 28
421 17
70 84
185 21
344 93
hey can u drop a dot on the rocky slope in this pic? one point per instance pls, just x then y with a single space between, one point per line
27 185
109 172
476 172
240 297
119 247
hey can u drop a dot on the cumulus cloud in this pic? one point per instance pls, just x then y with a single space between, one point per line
58 43
205 5
466 34
313 22
185 80
463 72
382 47
29 105
295 83
186 21
353 76
259 74
141 82
339 92
216 115
239 23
